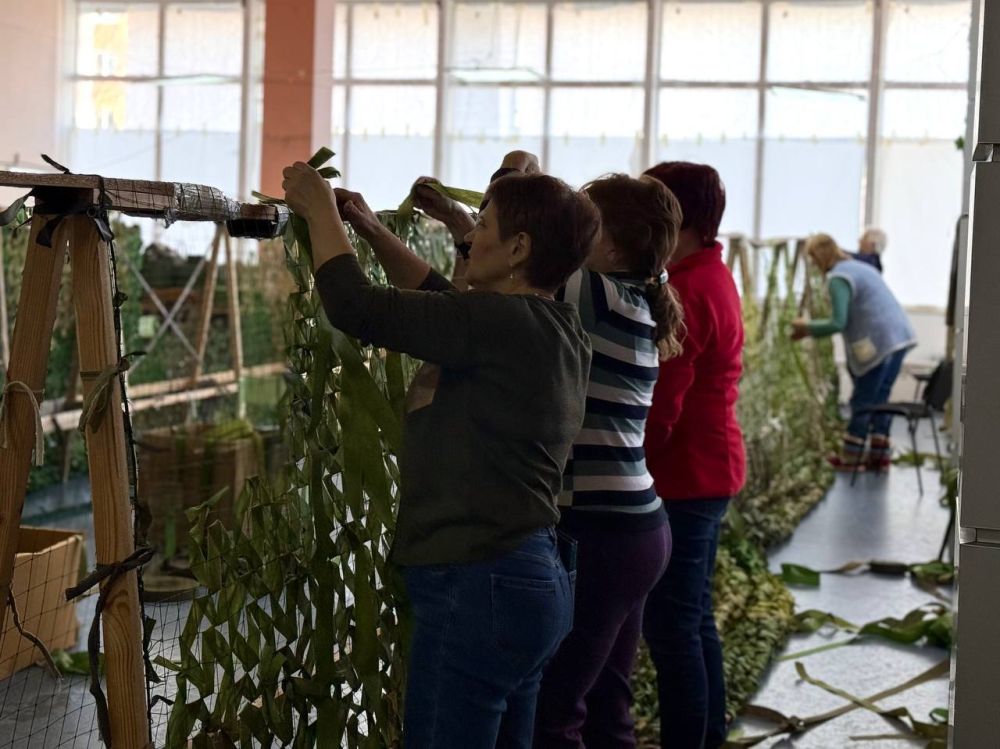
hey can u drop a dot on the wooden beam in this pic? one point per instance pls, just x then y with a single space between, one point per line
160 394
4 337
106 456
173 201
29 359
206 306
235 325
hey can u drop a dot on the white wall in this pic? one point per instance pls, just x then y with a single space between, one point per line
31 58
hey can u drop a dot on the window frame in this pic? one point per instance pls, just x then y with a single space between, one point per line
251 12
652 85
445 80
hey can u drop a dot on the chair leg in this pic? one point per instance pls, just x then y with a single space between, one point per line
948 531
912 429
937 443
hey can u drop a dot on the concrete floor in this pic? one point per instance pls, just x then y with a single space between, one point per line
883 517
38 712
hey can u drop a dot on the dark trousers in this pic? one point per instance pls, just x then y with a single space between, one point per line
481 634
872 389
679 627
586 698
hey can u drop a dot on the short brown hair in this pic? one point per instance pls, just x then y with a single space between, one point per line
562 223
701 193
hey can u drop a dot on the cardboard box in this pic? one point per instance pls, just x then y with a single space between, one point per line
48 562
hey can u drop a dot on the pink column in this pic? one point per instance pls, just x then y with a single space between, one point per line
298 62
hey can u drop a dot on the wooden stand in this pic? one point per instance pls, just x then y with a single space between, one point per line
29 361
235 327
4 341
205 315
98 349
107 463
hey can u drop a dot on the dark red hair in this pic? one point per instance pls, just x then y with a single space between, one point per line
701 193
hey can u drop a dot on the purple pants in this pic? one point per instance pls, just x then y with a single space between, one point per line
586 697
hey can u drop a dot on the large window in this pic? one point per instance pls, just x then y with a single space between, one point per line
158 94
820 115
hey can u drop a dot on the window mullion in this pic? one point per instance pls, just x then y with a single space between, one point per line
444 10
875 85
654 25
758 192
345 157
547 86
161 54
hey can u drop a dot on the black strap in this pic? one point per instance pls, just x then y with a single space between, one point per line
65 203
55 164
109 573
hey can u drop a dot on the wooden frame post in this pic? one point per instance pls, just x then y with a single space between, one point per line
235 326
4 338
207 305
29 361
113 531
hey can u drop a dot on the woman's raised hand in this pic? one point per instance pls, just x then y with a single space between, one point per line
307 193
355 210
430 201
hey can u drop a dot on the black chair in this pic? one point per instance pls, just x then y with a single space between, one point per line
937 391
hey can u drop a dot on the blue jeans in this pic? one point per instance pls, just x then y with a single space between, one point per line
872 389
679 627
482 633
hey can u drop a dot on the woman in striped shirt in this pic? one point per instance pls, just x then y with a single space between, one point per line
609 504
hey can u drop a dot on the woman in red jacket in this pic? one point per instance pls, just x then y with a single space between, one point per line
694 450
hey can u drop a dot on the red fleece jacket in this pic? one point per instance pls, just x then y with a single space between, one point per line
694 446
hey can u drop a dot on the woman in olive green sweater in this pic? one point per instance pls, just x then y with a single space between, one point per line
489 424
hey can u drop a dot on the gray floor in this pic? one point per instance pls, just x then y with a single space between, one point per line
883 517
39 712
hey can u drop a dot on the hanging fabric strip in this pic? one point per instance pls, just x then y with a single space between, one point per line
793 725
50 664
35 396
96 403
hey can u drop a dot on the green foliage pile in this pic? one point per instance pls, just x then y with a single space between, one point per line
788 401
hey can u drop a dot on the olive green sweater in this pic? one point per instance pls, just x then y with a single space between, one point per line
488 431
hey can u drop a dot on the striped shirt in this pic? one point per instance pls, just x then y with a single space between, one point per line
606 477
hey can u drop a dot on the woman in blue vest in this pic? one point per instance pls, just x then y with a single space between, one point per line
877 335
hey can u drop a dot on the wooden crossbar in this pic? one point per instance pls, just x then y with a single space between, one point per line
172 201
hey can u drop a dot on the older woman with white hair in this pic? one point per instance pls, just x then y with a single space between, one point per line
877 335
871 245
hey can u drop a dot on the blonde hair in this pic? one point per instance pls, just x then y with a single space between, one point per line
823 249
